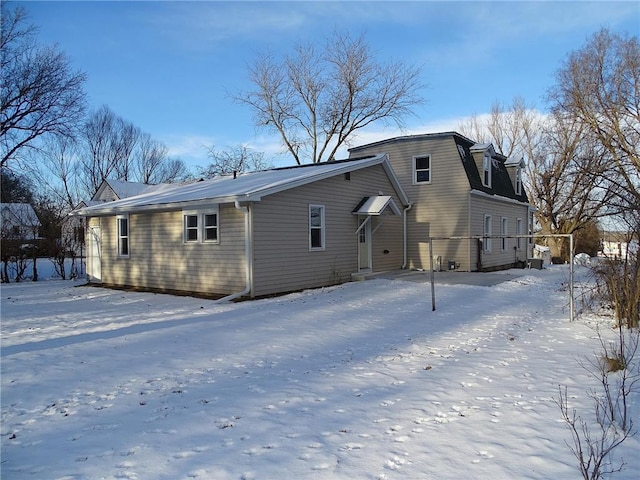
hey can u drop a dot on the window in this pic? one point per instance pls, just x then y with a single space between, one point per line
504 231
422 169
519 232
519 181
191 228
486 171
487 233
210 227
201 226
123 235
316 227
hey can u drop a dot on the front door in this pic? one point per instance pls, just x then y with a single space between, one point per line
364 244
94 256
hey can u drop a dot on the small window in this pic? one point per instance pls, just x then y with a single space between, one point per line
191 228
487 233
422 169
316 227
518 233
210 227
504 231
486 171
519 181
123 236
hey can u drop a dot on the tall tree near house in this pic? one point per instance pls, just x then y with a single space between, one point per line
109 142
316 98
57 172
561 159
40 94
15 188
152 164
599 85
239 158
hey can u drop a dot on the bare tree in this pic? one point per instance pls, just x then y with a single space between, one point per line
239 158
599 85
109 141
315 99
40 94
152 164
562 165
57 171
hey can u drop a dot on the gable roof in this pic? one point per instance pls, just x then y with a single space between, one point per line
121 188
244 187
500 183
19 214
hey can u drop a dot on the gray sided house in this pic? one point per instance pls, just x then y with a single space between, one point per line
73 233
458 188
253 234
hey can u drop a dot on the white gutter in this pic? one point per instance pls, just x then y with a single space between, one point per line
247 254
404 235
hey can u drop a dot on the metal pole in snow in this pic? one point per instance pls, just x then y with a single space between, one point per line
571 304
433 289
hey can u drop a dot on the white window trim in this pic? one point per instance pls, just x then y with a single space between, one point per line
518 233
415 170
216 212
120 237
201 228
322 228
487 233
185 229
504 231
486 167
519 181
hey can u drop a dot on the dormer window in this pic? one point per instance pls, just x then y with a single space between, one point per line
519 181
486 170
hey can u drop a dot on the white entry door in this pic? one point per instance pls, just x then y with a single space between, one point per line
364 245
94 257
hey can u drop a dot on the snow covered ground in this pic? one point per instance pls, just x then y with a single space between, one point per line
359 381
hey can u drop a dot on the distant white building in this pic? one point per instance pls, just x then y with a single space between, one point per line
19 222
618 245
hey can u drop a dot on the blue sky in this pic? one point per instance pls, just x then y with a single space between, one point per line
170 67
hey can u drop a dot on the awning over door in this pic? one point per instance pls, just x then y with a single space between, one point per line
376 205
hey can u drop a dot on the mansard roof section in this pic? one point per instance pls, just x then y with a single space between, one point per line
501 184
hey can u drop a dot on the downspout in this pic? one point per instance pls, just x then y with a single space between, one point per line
247 256
404 235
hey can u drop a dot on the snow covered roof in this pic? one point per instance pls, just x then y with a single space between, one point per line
122 189
376 205
514 161
19 214
245 187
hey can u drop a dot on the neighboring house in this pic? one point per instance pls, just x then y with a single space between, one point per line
253 234
618 245
19 222
459 188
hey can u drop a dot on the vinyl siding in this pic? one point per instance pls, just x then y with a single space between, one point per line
498 258
159 259
281 257
440 208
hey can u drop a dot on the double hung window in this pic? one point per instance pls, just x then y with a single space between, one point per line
487 233
504 230
123 235
422 169
486 171
519 232
201 226
316 227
